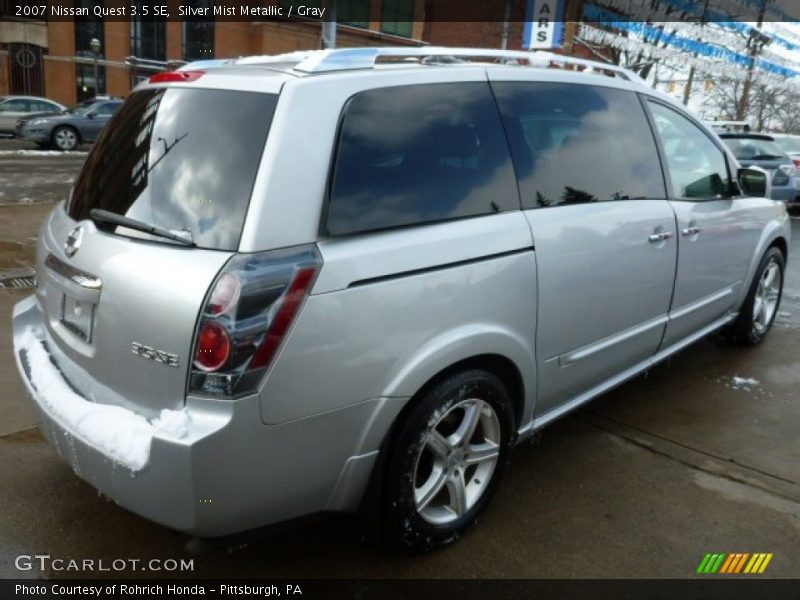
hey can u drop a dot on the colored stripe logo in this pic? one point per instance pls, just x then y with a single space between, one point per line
734 563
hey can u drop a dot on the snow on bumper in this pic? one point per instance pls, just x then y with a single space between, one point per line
117 432
145 466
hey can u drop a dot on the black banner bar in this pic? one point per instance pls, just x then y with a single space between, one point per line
441 589
486 11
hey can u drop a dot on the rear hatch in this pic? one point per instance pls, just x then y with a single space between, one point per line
122 304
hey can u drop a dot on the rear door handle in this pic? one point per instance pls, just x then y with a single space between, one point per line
690 231
661 236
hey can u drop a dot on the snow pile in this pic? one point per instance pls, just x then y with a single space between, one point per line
174 423
119 433
296 56
743 382
41 153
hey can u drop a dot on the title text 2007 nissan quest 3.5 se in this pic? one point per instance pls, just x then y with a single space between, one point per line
309 283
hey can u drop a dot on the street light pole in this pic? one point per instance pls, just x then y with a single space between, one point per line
96 46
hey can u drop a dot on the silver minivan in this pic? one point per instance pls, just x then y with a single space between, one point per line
355 279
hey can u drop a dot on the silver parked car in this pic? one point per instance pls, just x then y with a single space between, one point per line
288 285
66 131
14 108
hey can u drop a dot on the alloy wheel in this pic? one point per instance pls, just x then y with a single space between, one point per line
767 296
455 464
66 139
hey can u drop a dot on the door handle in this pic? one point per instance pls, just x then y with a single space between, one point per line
690 231
661 236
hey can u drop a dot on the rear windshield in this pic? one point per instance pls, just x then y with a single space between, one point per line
789 143
754 148
181 159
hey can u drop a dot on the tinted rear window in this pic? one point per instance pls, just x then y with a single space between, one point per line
746 148
789 143
181 159
419 154
578 143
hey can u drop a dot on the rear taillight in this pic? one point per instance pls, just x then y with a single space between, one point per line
796 162
225 294
249 310
176 76
213 347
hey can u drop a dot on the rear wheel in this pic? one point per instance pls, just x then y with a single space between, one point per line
65 138
761 305
448 458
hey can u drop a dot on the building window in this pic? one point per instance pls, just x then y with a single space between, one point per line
87 29
397 17
87 87
353 12
198 33
149 39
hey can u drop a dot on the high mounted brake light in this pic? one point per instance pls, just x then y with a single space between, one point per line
248 311
176 76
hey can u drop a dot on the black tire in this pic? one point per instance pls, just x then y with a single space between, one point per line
65 138
470 390
747 329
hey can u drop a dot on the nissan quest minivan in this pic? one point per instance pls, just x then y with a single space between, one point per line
357 278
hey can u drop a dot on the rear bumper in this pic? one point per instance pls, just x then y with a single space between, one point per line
784 193
229 472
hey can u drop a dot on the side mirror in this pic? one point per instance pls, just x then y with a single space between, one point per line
754 181
90 115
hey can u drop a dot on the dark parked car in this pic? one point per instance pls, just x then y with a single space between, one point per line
761 149
791 145
67 130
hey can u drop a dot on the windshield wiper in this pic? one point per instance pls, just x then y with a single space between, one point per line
765 157
109 217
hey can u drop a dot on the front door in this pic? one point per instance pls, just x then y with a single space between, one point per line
717 232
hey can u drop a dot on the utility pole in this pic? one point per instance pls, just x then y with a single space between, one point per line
506 26
96 46
687 89
328 30
757 41
572 15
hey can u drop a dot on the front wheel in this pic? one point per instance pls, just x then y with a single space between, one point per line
761 305
447 459
65 138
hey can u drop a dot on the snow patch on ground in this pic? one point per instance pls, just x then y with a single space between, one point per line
743 382
117 432
41 153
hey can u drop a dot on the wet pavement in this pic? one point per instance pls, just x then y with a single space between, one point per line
642 482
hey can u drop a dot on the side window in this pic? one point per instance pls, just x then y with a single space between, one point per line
16 105
697 167
42 106
106 110
419 154
576 143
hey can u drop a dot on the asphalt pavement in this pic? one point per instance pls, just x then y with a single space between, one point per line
642 482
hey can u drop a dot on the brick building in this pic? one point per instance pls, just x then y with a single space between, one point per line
55 59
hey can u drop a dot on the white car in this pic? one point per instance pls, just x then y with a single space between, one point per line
13 108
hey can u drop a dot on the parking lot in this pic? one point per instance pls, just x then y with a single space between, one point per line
642 482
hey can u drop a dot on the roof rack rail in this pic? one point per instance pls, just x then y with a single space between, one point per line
324 61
